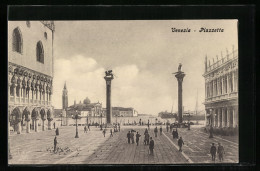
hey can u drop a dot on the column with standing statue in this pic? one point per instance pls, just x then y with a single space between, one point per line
179 75
109 77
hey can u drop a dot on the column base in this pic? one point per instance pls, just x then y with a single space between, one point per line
109 125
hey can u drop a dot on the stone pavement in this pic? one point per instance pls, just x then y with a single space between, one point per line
197 145
32 148
93 148
116 150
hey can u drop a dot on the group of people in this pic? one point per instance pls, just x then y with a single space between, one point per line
219 150
85 128
147 139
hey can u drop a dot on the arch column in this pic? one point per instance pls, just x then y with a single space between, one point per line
228 118
49 123
14 92
43 127
28 126
36 125
18 126
223 118
219 118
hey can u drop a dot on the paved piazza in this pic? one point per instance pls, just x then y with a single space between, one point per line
93 148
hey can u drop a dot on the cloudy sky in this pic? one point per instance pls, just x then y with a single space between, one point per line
143 55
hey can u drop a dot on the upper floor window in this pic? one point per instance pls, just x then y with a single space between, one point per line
45 35
17 40
40 52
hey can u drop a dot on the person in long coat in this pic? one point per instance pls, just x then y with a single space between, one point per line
128 136
132 137
57 131
180 143
55 143
151 146
137 138
213 151
220 152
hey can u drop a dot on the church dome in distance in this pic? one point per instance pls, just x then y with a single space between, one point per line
86 101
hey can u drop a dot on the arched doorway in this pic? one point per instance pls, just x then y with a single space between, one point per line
43 117
26 118
35 118
49 118
15 120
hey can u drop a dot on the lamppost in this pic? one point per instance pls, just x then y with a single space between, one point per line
61 118
101 121
76 117
189 122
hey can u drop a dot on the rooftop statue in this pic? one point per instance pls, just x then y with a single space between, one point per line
179 68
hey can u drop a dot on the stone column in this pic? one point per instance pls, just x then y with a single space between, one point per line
216 118
109 77
18 125
49 124
222 85
219 118
43 127
28 126
180 75
228 85
223 118
228 117
36 125
14 93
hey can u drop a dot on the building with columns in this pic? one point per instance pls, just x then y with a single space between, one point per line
221 91
30 75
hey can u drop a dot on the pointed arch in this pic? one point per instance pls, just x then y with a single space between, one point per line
17 40
39 52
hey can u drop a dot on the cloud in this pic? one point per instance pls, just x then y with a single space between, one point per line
84 78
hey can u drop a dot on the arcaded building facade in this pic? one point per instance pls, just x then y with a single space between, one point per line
221 91
30 75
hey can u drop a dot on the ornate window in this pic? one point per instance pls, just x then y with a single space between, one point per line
40 52
17 40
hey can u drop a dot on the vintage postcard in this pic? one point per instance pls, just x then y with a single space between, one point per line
123 92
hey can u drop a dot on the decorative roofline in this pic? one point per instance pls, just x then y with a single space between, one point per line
49 24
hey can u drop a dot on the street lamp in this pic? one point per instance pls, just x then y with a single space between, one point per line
189 122
76 117
101 121
61 118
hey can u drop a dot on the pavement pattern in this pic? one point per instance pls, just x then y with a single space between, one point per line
93 148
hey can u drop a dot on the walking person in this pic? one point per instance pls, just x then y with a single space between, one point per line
151 146
220 152
167 127
57 131
128 136
180 143
119 127
85 129
132 137
155 131
146 138
137 138
104 132
55 144
148 125
54 125
89 127
213 151
161 130
111 133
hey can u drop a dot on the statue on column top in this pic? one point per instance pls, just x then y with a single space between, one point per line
179 68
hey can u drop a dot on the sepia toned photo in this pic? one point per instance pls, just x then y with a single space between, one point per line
123 92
